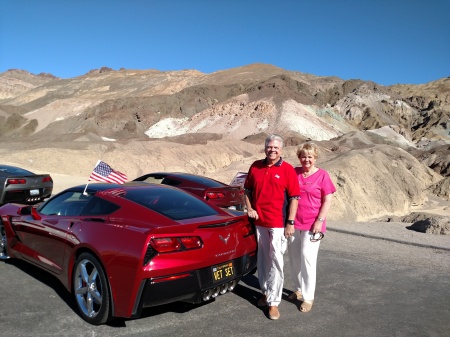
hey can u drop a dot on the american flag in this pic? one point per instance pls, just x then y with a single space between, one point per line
104 172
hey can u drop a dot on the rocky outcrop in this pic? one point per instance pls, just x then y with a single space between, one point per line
426 223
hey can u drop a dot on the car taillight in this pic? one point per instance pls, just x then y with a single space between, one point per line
165 245
214 195
47 179
13 181
247 230
191 242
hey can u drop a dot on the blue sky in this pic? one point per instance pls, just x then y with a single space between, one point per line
385 41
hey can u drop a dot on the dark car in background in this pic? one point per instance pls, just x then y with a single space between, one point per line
213 191
121 248
24 187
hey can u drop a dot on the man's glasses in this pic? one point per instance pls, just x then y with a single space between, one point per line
316 237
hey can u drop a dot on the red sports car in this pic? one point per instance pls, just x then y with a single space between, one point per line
213 191
121 248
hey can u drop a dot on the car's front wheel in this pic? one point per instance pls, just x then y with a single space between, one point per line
91 290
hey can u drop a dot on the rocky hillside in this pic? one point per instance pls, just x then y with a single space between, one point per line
235 103
387 147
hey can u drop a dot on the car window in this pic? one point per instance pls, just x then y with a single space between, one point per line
153 180
99 206
172 203
204 181
67 204
15 171
171 182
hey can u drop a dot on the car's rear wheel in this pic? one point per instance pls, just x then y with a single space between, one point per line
91 291
3 243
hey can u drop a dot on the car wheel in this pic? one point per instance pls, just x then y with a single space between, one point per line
3 243
91 290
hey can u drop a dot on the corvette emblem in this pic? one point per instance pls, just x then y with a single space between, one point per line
225 240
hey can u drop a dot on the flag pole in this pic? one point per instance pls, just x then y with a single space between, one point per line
85 188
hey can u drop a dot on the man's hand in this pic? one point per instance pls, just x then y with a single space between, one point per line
289 231
252 214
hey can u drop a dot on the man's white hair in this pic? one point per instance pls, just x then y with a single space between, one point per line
273 137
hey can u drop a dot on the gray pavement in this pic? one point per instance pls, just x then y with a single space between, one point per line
374 279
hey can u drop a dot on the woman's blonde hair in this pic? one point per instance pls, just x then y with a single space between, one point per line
308 147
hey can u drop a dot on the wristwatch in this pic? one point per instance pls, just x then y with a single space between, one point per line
321 219
290 222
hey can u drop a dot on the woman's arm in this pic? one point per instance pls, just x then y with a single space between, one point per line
326 204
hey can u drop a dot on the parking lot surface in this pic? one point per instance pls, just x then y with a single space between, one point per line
395 284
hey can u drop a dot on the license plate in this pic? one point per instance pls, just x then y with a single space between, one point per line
223 272
34 192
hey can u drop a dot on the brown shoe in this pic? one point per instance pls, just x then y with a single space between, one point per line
262 301
296 295
273 312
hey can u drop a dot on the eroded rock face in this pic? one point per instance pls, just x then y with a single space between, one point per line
437 157
441 188
377 180
252 99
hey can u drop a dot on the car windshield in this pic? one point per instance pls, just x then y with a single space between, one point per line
172 203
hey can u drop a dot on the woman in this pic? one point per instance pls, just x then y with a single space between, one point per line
316 192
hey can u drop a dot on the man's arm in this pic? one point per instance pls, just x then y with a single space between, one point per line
248 203
292 212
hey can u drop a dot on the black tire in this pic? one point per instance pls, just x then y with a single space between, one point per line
91 291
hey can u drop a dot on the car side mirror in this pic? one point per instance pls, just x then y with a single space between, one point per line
24 210
29 210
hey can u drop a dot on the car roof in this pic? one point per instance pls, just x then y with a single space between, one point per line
95 187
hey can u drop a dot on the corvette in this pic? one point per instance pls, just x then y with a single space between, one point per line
211 190
21 186
121 248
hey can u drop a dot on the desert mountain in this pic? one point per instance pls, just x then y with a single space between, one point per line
387 148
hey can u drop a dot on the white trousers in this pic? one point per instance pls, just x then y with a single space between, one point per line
271 246
303 257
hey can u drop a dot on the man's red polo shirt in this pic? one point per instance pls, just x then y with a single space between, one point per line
271 187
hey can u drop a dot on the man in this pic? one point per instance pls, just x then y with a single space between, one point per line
271 197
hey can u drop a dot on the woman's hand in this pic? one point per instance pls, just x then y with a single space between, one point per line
317 228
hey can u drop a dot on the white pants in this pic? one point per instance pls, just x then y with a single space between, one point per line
303 256
271 246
